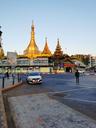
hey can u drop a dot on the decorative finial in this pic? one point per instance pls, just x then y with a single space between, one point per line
58 40
0 31
45 39
32 23
32 27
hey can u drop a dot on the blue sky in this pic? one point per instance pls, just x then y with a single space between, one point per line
72 21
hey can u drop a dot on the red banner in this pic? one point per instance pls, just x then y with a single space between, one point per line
69 65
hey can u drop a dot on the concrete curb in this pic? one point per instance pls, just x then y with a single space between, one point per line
4 117
11 87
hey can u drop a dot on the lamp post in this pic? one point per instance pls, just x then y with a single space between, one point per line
0 47
0 36
90 61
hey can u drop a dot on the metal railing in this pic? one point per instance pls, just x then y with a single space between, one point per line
9 80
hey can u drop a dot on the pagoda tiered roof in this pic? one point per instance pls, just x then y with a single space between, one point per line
32 49
46 51
58 51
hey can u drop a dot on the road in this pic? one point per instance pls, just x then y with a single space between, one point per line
81 97
62 87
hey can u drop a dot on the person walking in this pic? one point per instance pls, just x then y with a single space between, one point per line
77 74
7 74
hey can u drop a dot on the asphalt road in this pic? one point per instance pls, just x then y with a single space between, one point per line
81 97
62 87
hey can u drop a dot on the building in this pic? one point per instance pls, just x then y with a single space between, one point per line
32 59
36 60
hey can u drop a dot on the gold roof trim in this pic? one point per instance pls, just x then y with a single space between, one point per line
46 50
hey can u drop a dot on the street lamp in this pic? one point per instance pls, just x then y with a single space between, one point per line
1 50
0 36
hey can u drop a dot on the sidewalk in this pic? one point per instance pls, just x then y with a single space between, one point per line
40 111
3 123
8 81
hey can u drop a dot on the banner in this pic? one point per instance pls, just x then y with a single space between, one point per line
12 58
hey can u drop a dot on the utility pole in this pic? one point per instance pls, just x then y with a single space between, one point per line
0 36
90 62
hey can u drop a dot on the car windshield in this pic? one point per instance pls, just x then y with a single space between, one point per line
34 74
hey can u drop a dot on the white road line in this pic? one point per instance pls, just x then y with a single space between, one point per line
83 88
77 99
64 91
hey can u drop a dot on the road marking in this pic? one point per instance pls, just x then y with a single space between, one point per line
71 81
70 90
77 99
63 91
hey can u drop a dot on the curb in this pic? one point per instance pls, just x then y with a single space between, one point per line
4 117
11 87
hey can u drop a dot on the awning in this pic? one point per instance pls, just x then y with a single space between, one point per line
69 65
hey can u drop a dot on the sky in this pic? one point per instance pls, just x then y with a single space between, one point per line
72 21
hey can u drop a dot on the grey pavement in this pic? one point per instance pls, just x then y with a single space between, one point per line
40 111
3 123
7 82
24 105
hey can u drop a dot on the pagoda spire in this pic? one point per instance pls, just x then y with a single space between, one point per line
46 50
32 31
32 49
58 51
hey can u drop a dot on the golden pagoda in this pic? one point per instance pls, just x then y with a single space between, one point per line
32 50
46 52
1 53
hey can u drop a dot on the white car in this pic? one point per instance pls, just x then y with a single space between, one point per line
81 71
34 78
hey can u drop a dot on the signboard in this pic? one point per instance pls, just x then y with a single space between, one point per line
12 58
69 65
39 61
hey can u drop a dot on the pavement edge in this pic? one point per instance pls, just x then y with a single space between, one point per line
11 87
4 121
2 107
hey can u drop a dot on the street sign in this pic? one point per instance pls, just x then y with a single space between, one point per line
12 58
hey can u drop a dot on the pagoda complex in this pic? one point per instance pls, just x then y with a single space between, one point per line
32 51
35 60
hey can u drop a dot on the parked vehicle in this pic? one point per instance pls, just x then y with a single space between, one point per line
34 78
81 71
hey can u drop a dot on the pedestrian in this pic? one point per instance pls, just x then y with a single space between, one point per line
7 74
77 74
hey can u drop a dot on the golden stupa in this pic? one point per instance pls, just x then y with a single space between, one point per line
1 52
46 51
32 50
